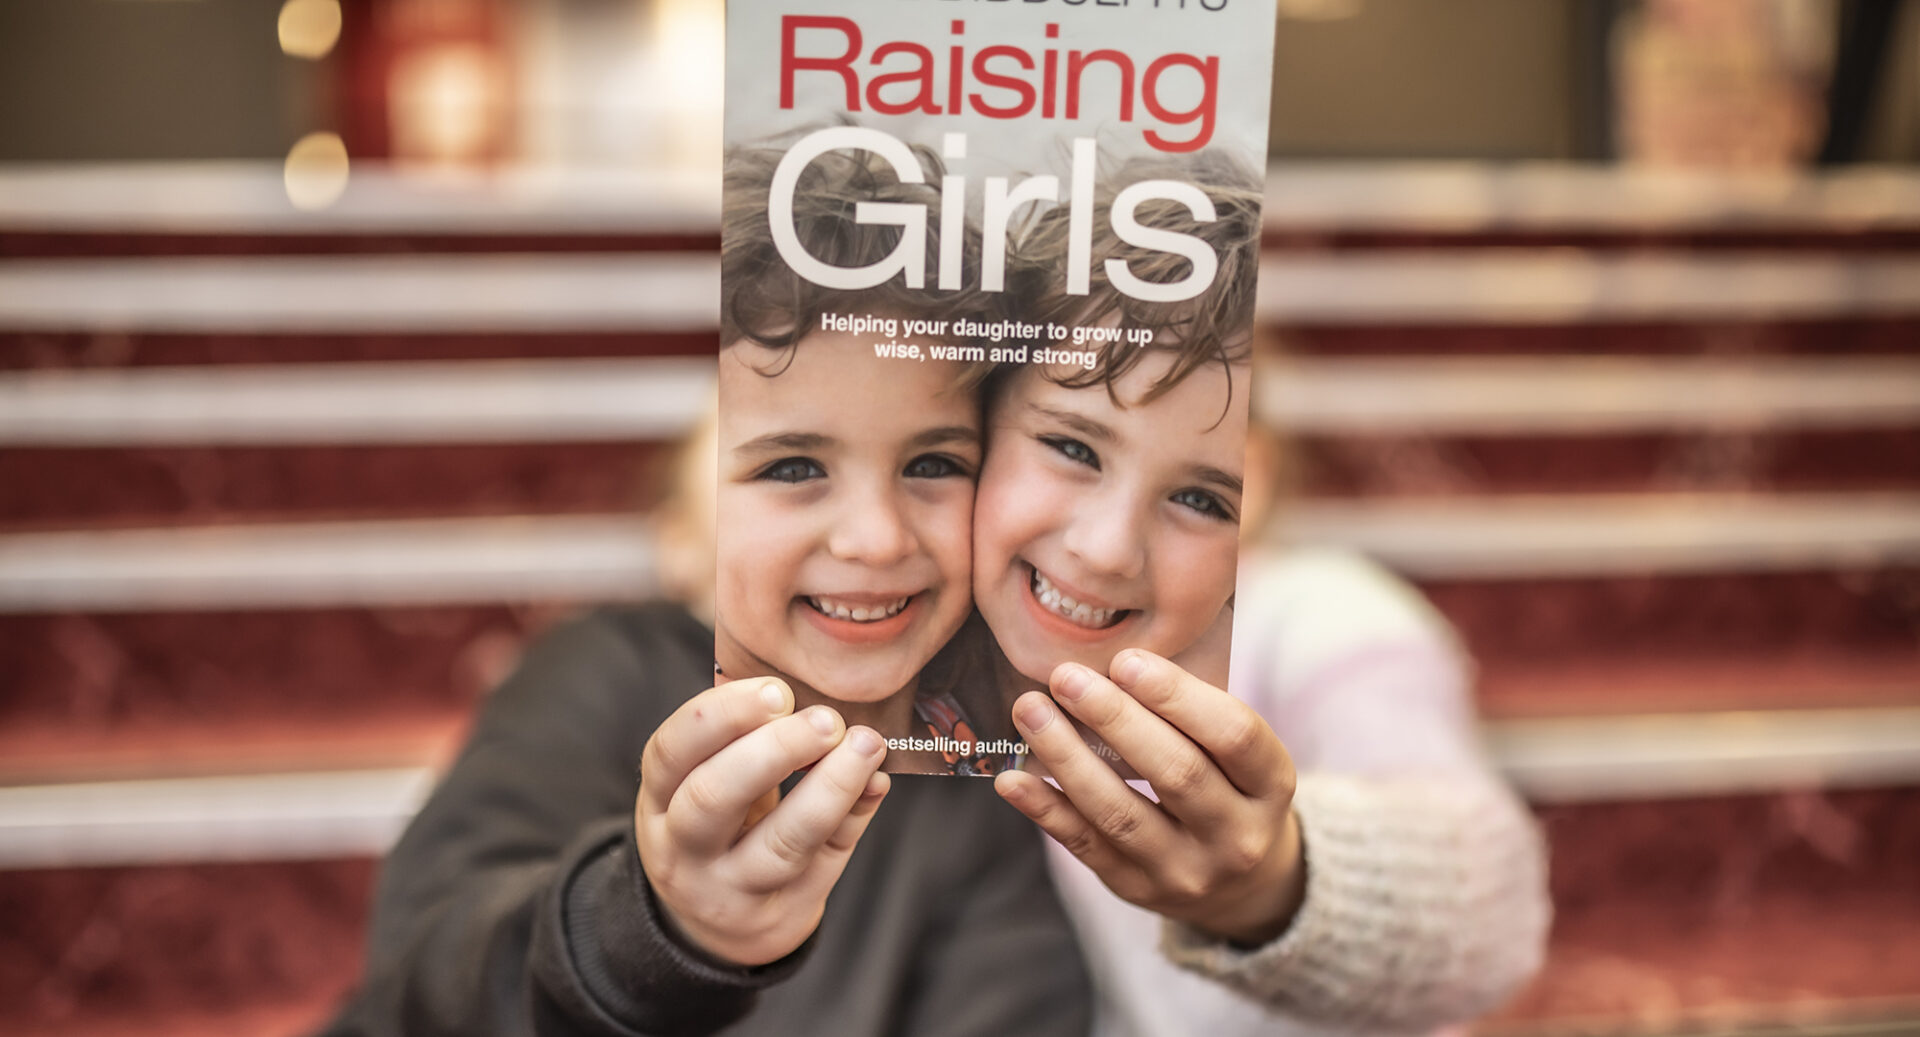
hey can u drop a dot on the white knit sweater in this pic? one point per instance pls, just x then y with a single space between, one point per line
1426 882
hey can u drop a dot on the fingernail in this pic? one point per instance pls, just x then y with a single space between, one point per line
1129 667
866 742
1072 681
822 720
774 696
1034 713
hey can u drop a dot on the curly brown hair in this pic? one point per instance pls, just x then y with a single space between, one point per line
764 301
1215 326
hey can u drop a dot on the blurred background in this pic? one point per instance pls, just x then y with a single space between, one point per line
341 342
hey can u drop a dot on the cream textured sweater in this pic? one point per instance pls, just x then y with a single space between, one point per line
1426 883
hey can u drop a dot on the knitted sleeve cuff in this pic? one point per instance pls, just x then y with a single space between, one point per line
1425 905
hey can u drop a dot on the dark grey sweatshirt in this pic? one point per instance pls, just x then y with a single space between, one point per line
515 902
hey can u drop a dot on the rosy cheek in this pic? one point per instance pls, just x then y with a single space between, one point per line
952 538
1050 511
986 520
1202 580
1024 494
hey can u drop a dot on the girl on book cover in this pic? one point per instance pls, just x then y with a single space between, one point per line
1110 497
847 481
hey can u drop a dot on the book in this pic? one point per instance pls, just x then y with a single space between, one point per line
988 276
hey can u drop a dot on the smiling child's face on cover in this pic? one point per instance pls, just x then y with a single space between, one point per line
1103 526
846 504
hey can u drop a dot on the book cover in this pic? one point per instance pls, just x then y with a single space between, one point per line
987 299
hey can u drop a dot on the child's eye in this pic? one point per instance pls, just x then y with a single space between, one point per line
936 466
792 470
1204 503
1073 450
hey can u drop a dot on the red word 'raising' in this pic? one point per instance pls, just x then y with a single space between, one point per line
1057 90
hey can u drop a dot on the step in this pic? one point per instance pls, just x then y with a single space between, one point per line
1602 681
190 949
1776 458
1731 339
102 244
1714 915
1718 336
1563 286
229 817
311 565
589 557
1572 395
298 1013
527 293
473 401
1616 535
333 812
213 692
165 485
1458 199
1732 752
145 486
1326 235
1489 198
1600 621
212 198
219 442
532 292
47 351
157 743
242 691
1687 914
650 397
338 811
1318 235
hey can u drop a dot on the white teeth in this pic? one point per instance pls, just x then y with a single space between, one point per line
858 613
1069 609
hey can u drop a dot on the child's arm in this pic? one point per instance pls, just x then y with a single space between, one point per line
1422 900
1221 851
516 903
739 871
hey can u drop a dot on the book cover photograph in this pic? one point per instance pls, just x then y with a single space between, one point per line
986 353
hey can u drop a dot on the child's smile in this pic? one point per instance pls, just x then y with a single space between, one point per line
845 522
1103 525
1072 613
862 618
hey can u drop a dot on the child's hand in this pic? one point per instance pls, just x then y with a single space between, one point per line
739 870
1221 850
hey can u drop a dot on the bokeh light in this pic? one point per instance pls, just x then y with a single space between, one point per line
309 28
316 171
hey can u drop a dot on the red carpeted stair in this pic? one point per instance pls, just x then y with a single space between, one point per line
1787 895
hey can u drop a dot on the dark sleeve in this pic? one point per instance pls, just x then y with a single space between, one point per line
1003 959
515 903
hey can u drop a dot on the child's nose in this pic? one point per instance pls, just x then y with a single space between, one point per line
1108 537
872 531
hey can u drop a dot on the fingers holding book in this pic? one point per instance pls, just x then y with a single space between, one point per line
1221 848
1233 735
805 840
740 871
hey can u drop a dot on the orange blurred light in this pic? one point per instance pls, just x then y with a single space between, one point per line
309 28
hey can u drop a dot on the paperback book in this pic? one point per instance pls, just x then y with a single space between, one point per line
987 300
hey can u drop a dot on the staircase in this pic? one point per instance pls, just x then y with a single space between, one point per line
282 495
